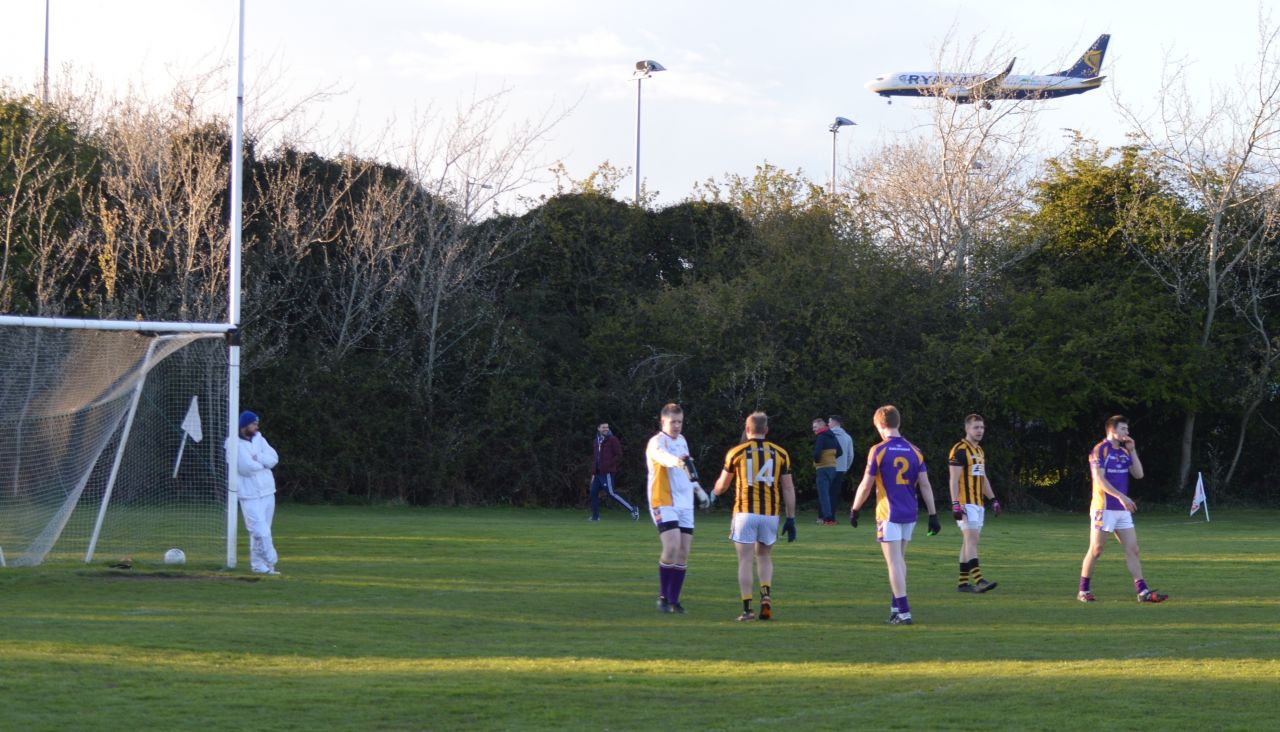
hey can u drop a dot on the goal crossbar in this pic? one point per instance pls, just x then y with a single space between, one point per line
147 326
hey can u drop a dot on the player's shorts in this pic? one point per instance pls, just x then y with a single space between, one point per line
670 517
754 528
973 517
890 531
1109 521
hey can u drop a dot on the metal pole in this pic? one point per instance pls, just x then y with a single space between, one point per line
834 131
638 81
45 96
233 301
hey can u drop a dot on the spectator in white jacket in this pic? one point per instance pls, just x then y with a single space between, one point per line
257 491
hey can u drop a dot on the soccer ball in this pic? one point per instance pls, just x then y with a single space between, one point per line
175 556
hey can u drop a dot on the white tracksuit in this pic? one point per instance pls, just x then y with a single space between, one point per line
257 492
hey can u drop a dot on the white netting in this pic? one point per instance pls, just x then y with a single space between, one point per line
66 400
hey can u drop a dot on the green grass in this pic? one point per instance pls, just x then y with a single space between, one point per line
510 619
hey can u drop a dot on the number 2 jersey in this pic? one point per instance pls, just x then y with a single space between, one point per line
757 467
896 465
669 483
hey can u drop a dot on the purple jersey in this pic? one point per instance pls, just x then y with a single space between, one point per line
1114 463
896 465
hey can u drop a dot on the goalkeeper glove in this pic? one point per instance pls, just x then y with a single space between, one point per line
789 528
711 498
691 468
957 511
853 517
935 526
995 506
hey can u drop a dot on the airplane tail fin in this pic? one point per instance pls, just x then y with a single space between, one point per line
1091 62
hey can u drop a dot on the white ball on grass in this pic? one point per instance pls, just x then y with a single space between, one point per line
175 556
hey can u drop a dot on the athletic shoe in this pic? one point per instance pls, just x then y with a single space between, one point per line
1085 596
664 606
635 514
1152 596
766 607
821 522
966 587
828 522
593 518
747 615
899 619
677 608
985 586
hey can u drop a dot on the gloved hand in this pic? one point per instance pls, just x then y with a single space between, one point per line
789 528
935 526
712 497
957 511
995 507
853 517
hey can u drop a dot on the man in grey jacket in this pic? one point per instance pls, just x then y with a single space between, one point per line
844 462
257 492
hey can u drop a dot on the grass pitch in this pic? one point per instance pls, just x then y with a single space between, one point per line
511 619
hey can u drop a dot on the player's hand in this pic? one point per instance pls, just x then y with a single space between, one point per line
853 517
995 507
957 511
935 526
711 498
1128 504
789 528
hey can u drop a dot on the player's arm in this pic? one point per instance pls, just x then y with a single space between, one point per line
1135 467
996 508
723 483
267 455
868 480
1100 480
789 495
926 492
663 457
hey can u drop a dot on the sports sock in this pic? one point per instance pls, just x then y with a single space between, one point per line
901 603
677 582
664 580
1084 584
964 574
975 574
1140 585
766 590
746 604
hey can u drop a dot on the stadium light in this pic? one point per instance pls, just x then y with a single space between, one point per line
644 70
835 130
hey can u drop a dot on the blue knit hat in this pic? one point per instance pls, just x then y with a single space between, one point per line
247 418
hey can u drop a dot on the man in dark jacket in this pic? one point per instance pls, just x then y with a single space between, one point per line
607 455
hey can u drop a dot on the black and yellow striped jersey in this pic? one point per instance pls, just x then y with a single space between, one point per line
757 467
972 462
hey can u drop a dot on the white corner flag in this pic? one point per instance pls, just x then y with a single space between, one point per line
190 428
1199 499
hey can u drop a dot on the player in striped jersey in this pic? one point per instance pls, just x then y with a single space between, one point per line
894 468
969 484
671 505
761 470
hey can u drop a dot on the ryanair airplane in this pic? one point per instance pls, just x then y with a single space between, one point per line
967 88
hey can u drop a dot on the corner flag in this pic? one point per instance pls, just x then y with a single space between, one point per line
1199 499
190 428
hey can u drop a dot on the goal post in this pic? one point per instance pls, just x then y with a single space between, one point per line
113 438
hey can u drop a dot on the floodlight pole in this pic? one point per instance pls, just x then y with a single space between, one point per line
644 70
639 81
835 130
45 95
233 302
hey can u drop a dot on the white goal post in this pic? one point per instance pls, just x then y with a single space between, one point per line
113 440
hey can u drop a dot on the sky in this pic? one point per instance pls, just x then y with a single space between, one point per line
746 82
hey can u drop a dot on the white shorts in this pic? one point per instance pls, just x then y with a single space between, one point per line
973 517
681 517
1111 520
753 528
890 531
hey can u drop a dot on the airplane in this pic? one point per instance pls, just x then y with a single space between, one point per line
970 88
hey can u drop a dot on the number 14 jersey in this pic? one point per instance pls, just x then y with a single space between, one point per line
757 466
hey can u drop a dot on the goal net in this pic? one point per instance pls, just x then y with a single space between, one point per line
112 445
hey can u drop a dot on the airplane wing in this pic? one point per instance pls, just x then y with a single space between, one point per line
985 88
